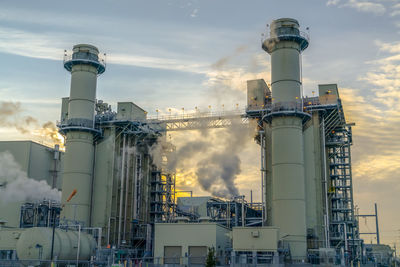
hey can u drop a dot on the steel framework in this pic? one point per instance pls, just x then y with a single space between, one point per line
343 228
196 121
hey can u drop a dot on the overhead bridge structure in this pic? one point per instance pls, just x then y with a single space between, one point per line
197 121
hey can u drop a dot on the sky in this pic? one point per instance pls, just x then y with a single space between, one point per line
174 54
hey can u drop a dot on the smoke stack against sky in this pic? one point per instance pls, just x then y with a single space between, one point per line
84 66
285 45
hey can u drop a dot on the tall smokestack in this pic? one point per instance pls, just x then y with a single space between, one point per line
79 129
285 45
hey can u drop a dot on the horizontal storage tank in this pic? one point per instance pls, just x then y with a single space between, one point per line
35 243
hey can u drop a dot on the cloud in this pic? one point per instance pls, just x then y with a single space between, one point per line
388 47
396 10
366 6
332 2
194 13
361 6
12 117
376 152
227 82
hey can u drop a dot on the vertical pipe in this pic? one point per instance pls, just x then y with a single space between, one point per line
128 166
228 214
243 213
262 177
52 236
121 192
174 207
92 183
135 193
377 225
251 198
108 230
79 244
345 237
326 216
99 237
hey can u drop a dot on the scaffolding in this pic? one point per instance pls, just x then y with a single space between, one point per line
42 214
343 228
162 197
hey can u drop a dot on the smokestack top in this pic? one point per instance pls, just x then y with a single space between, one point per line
284 22
85 48
84 54
285 29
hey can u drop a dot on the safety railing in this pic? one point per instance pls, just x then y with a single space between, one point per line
195 115
70 55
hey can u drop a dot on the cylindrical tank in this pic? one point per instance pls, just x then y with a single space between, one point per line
35 243
285 44
79 129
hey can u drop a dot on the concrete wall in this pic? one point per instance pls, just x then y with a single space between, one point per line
102 185
130 111
255 238
38 162
190 234
313 180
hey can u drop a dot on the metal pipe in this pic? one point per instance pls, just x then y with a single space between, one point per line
243 213
52 236
108 230
262 140
79 244
376 223
326 221
121 191
135 193
128 165
99 237
345 237
251 198
92 183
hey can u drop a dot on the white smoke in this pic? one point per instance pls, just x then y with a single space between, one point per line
16 186
215 160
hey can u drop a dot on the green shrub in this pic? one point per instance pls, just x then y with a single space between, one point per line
211 259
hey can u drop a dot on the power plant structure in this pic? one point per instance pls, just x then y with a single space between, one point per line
119 204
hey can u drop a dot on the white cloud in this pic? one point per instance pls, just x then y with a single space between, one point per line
396 10
388 47
51 46
332 2
366 6
194 13
361 6
376 152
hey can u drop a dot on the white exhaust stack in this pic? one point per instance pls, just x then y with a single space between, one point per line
84 66
285 44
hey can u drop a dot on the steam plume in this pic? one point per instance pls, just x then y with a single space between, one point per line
16 186
11 117
217 172
216 169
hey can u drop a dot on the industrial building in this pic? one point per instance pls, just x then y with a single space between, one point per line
119 204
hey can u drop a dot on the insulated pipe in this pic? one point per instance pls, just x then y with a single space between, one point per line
325 181
121 191
84 66
128 166
285 44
